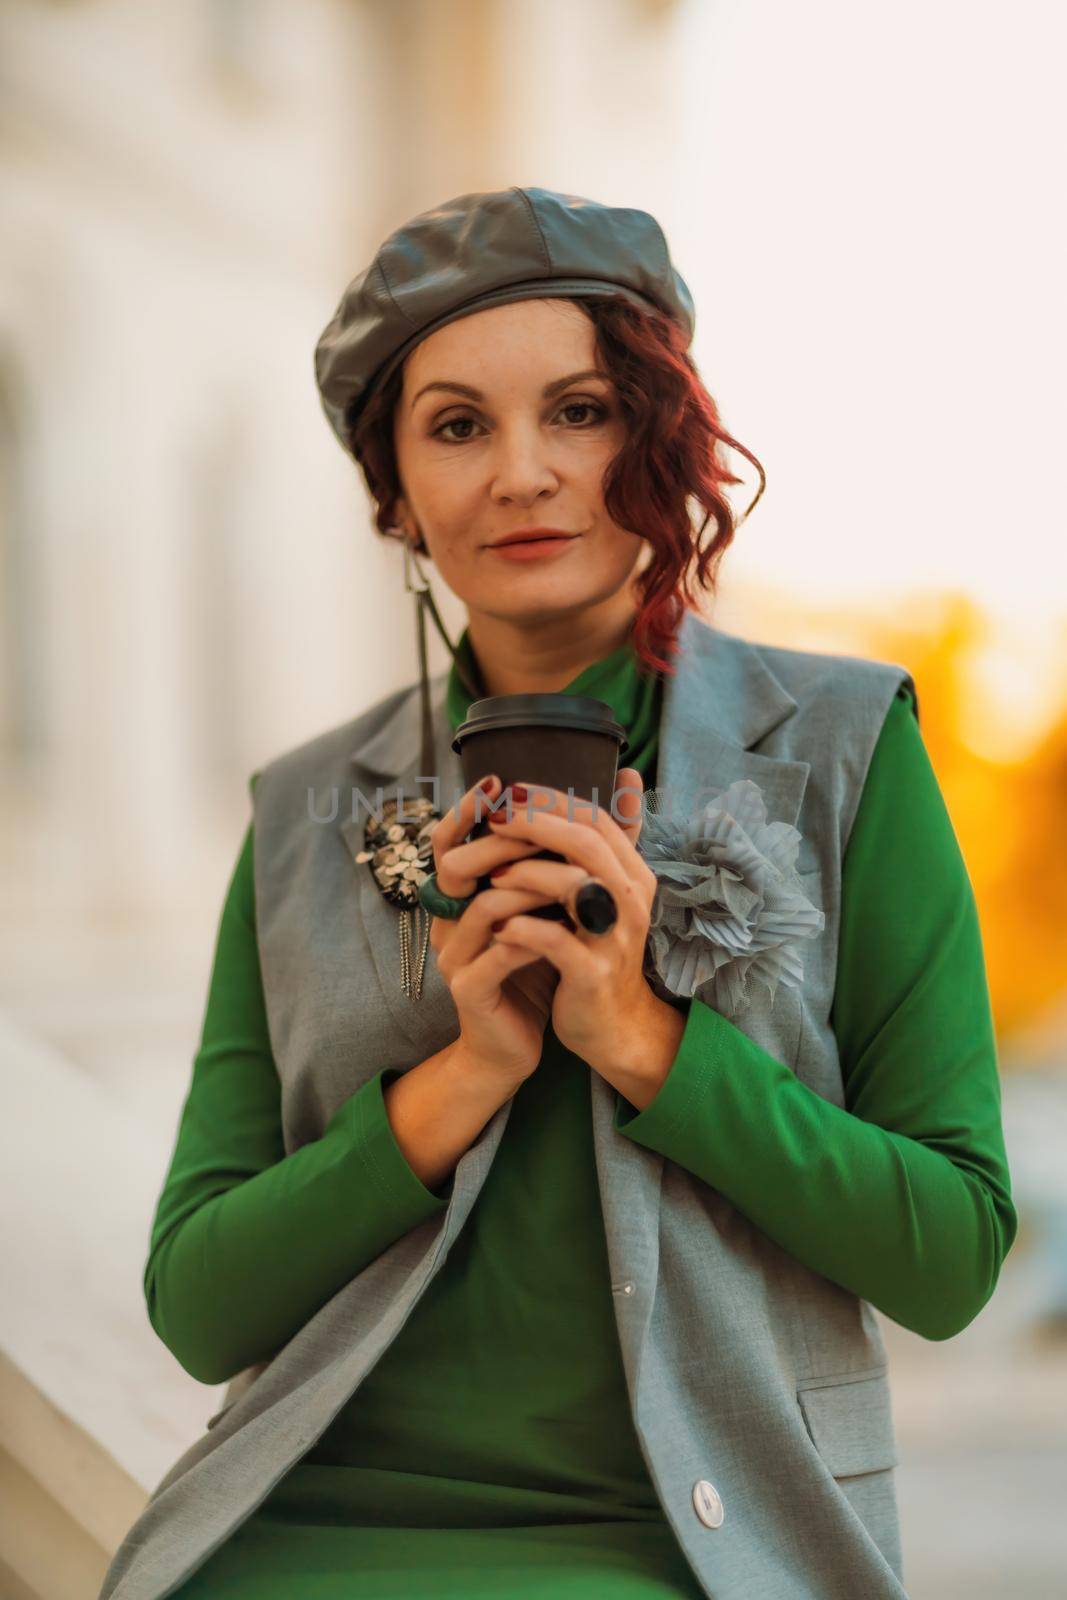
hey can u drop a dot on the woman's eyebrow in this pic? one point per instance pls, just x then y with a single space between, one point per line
547 392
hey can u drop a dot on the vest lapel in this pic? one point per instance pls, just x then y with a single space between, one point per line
721 701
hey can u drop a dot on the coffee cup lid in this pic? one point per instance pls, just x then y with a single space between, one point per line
540 711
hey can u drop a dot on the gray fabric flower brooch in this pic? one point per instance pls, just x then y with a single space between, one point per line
728 906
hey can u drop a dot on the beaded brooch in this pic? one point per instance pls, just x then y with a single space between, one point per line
400 853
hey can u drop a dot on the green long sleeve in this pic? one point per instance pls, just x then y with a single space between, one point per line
247 1241
903 1196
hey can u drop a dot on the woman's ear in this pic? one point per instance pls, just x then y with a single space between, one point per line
401 517
404 527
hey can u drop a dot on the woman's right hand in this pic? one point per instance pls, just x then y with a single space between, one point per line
502 1022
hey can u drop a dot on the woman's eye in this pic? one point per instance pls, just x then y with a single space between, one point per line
585 405
439 432
453 422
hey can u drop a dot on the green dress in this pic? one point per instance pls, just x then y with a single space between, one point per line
491 1450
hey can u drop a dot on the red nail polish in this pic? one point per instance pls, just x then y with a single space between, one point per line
497 874
519 792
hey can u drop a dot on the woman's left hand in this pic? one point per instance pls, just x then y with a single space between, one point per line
603 1003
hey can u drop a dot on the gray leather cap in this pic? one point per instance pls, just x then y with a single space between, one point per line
483 250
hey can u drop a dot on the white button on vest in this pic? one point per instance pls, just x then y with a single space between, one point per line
708 1504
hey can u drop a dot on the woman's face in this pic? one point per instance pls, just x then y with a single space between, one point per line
503 424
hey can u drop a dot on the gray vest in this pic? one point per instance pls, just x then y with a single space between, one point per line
747 1372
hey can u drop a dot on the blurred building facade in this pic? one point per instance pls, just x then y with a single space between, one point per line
176 201
190 582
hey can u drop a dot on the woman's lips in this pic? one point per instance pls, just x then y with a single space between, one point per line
531 549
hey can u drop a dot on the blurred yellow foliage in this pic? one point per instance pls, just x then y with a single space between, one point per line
1009 814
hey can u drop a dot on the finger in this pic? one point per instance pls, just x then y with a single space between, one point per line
563 882
458 820
573 957
479 982
552 807
583 843
465 864
462 871
555 878
549 812
472 932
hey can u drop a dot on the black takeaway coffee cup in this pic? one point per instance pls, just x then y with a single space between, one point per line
569 742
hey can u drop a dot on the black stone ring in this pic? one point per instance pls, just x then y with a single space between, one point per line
592 906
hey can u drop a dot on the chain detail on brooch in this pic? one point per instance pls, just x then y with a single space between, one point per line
399 851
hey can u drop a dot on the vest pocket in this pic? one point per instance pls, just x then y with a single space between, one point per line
850 1422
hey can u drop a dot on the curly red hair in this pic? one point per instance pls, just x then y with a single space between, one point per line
673 454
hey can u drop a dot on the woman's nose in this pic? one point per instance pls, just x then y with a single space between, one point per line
522 465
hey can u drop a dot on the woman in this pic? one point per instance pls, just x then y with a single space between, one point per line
542 1271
